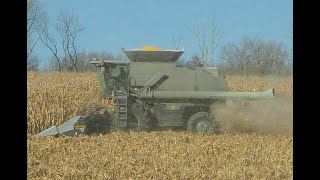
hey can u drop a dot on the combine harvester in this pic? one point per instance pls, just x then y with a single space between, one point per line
151 92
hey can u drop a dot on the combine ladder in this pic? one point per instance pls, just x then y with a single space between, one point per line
122 111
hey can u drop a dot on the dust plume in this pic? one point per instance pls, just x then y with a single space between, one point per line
262 116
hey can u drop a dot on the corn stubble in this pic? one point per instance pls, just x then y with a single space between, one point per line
245 149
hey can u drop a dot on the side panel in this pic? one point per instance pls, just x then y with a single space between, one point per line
142 72
177 114
180 79
208 82
169 114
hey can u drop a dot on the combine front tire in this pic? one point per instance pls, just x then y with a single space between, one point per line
95 118
94 124
201 122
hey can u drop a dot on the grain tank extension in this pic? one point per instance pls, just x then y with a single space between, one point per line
151 92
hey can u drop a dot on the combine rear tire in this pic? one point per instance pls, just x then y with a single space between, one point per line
201 122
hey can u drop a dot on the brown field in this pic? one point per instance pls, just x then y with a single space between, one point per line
255 141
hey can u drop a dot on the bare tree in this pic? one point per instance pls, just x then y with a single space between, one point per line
62 40
229 55
68 28
207 44
176 42
290 60
34 15
194 62
32 63
254 55
208 40
49 40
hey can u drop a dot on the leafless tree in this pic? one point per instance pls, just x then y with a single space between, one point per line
208 37
68 28
230 54
32 63
49 40
62 40
194 62
176 42
255 55
290 61
34 15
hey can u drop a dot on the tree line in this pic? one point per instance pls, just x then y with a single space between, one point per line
249 56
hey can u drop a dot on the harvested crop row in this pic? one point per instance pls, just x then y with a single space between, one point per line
161 155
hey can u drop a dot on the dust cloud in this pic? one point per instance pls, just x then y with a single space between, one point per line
262 116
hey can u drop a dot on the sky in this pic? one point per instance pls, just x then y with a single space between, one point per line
114 24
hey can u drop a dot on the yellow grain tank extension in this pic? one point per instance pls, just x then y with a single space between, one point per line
150 48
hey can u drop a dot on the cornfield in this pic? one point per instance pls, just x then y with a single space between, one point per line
232 154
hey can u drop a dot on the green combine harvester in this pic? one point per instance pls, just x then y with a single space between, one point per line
151 92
